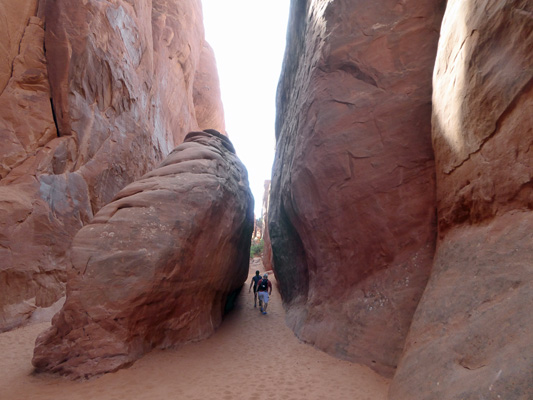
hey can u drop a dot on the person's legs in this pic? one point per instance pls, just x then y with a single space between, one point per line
260 296
255 298
265 301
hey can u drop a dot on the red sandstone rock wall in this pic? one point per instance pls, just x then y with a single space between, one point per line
352 209
119 86
146 272
471 334
43 201
13 20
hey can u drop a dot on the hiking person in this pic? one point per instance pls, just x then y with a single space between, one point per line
264 289
254 282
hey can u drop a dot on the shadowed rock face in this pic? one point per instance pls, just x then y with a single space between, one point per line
352 206
471 334
155 266
119 86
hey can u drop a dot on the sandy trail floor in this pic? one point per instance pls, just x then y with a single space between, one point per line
251 356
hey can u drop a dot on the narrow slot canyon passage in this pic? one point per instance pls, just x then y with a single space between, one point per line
387 146
251 356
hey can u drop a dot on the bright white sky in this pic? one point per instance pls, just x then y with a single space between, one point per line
248 37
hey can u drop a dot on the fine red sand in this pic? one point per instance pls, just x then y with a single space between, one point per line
251 356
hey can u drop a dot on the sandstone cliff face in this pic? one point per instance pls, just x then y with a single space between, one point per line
471 334
146 271
352 204
120 85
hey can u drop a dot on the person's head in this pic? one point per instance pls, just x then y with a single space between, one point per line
265 276
257 272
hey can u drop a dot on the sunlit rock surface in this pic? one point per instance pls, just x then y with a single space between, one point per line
206 93
26 123
13 20
155 267
352 209
471 335
119 86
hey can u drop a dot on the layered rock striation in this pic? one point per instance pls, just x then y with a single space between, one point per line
352 204
147 272
119 86
471 334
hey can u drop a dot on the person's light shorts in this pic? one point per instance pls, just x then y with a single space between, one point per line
263 296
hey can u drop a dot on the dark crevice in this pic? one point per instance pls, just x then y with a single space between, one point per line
358 74
54 116
51 100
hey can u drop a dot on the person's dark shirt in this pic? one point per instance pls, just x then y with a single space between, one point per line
256 280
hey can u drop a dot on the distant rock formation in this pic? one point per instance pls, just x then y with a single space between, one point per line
352 204
119 86
471 336
208 106
267 248
156 267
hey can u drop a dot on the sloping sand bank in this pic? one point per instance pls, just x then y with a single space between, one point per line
251 356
